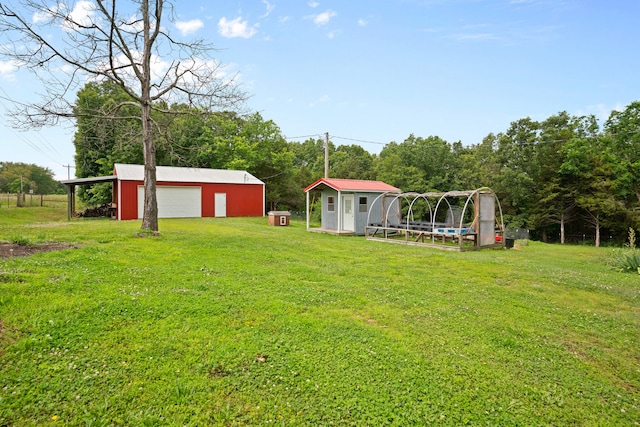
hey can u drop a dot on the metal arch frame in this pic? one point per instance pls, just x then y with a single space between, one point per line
470 199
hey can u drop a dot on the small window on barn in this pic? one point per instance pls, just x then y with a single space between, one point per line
362 204
331 206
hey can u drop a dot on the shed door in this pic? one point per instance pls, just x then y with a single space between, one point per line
220 205
347 212
487 231
174 202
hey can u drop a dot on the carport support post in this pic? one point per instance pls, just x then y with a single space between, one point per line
71 201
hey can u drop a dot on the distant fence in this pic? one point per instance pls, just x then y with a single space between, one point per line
28 200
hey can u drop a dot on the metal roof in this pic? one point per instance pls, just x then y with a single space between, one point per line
175 174
94 180
357 185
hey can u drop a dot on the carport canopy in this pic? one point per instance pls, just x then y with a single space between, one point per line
71 189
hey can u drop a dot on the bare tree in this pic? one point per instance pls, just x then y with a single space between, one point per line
125 43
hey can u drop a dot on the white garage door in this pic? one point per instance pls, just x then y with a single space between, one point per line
175 202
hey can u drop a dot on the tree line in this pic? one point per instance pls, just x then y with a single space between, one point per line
17 177
566 175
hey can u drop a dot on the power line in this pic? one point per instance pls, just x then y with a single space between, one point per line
303 136
359 140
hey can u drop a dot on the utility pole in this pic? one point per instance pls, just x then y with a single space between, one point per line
68 170
326 154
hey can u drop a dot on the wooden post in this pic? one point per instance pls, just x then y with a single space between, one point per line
71 199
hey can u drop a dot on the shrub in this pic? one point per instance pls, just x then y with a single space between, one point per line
627 259
21 240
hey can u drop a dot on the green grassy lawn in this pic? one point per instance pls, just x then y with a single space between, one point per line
233 322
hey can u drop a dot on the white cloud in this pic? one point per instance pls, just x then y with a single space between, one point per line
82 14
236 28
283 19
8 69
45 15
270 8
188 27
313 4
362 22
324 17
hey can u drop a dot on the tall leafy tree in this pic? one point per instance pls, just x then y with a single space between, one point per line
553 204
588 167
390 168
121 43
351 162
623 131
515 182
433 157
100 141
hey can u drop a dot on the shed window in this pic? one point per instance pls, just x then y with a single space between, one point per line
331 206
362 204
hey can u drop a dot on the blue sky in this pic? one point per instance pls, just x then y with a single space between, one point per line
372 72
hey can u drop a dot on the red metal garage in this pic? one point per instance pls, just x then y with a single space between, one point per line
189 192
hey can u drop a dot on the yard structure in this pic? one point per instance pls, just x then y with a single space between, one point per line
182 192
454 220
345 204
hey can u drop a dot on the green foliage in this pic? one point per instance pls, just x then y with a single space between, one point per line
233 322
16 177
21 240
627 260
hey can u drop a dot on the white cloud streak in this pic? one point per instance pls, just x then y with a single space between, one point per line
269 7
189 27
8 69
236 28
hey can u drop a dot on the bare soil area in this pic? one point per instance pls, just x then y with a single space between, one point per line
8 250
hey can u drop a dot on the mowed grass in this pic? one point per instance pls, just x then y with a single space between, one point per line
234 322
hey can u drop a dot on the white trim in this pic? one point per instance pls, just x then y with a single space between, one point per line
307 210
339 211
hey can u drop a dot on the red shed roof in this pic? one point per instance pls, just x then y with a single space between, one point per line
358 185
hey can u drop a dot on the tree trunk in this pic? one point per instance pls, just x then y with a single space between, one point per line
562 235
150 214
597 226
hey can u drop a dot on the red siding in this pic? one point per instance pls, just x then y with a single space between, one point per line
242 199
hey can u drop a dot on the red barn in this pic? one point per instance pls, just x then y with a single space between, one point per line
189 192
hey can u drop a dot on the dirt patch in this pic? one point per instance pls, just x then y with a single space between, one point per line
8 250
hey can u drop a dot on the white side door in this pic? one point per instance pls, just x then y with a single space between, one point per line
348 216
220 207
